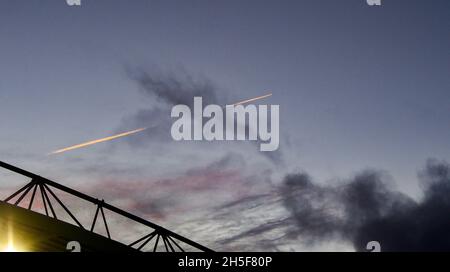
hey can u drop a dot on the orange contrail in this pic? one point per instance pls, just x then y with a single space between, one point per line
137 130
97 141
252 99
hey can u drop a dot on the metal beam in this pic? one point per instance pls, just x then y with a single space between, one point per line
160 229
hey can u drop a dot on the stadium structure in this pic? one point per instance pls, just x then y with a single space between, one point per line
23 228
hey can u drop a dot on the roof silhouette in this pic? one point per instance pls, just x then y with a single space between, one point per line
34 225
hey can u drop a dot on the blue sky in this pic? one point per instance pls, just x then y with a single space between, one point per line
358 87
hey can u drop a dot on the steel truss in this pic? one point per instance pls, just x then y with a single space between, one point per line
160 234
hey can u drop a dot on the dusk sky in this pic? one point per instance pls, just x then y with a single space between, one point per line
359 87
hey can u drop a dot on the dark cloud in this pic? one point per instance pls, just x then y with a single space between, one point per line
174 88
366 209
168 89
258 230
165 89
252 201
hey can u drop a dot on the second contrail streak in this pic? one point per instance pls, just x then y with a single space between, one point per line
252 99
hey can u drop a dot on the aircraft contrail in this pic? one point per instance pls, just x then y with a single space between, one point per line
136 130
97 141
252 99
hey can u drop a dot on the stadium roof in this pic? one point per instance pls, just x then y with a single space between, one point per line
34 231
